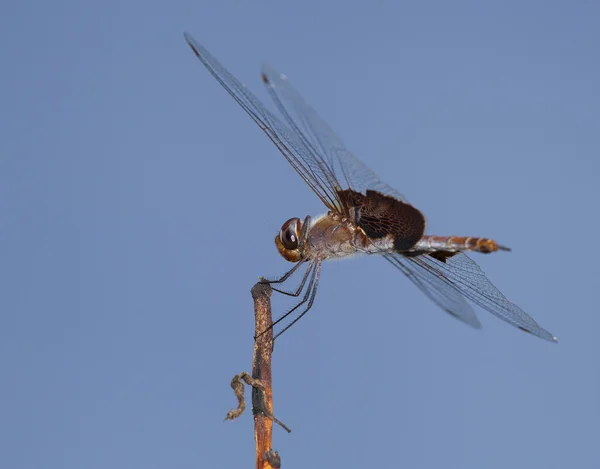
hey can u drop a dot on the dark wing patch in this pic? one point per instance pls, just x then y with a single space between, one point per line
380 215
442 255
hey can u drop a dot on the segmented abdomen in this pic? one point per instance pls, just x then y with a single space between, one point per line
458 243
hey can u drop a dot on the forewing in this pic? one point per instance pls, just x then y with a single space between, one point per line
314 171
436 288
466 277
322 141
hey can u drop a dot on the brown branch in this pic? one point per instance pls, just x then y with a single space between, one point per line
262 400
262 391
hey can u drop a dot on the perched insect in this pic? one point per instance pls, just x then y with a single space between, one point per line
364 214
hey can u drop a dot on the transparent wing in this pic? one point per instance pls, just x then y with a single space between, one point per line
463 275
312 168
316 134
436 289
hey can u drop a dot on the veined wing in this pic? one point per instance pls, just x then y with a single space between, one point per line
322 141
462 274
436 288
314 170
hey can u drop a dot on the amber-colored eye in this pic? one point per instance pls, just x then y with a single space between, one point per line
290 233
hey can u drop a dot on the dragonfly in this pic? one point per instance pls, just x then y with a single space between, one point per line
364 215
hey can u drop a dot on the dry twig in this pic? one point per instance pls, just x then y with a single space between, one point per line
262 391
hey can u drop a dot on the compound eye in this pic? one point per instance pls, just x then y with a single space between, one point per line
290 233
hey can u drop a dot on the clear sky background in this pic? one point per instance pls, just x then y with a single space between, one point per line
138 206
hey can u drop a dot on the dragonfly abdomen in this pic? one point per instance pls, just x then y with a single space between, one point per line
458 243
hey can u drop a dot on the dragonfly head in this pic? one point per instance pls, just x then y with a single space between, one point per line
288 240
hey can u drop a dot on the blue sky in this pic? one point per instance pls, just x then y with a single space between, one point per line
139 206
